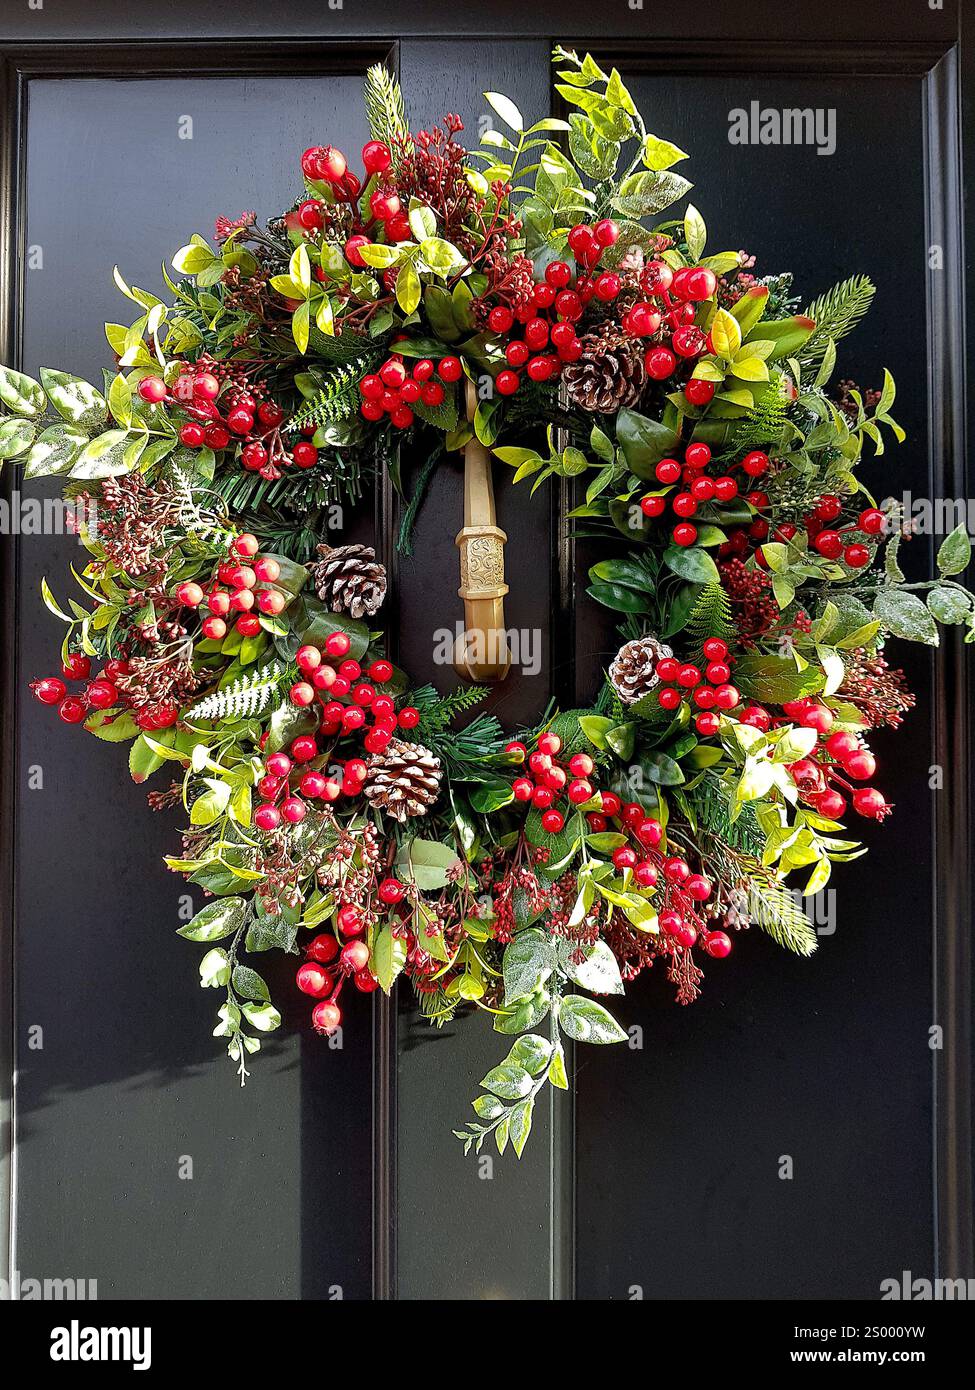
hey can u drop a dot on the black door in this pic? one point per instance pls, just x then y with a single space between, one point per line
334 1174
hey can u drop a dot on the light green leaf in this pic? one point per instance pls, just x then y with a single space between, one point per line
506 109
586 1021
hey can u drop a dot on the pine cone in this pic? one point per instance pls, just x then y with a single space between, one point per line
609 375
632 673
350 579
403 780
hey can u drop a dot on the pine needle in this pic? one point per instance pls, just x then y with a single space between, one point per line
836 313
385 107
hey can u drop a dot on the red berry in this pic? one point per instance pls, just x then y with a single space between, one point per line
558 274
549 743
668 471
192 435
101 694
450 369
648 832
829 803
506 383
355 955
624 857
610 803
867 801
871 521
553 821
152 389
684 504
699 392
501 319
698 887
322 948
304 748
376 157
581 765
214 628
676 870
326 1017
337 644
391 891
653 506
684 533
580 791
842 745
861 764
353 249
645 873
267 818
817 717
707 723
543 797
349 920
856 556
50 690
408 717
755 463
294 810
312 979
726 697
829 544
668 697
305 455
522 788
717 944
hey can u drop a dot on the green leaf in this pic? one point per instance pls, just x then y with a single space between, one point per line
556 1070
904 615
388 957
586 1021
16 435
408 288
76 400
215 921
528 961
506 109
949 605
661 769
725 334
531 1052
646 194
508 1082
955 553
661 154
248 983
774 680
301 326
54 451
215 969
695 232
598 972
692 562
644 442
427 862
143 762
20 393
520 1124
264 1017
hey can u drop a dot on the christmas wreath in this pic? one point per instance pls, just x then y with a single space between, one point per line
519 298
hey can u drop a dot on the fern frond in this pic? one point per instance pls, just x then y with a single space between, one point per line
774 908
338 400
385 107
711 615
764 422
438 711
248 695
837 312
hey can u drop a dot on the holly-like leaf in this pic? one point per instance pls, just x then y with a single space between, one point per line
955 553
586 1021
904 615
388 957
529 960
215 921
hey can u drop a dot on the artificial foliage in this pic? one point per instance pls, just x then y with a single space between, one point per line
377 831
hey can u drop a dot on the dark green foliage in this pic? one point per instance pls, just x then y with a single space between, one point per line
837 312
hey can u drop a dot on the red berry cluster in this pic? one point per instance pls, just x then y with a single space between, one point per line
710 692
100 693
237 587
668 311
699 489
393 390
552 780
828 541
346 703
818 778
682 892
245 419
324 164
548 334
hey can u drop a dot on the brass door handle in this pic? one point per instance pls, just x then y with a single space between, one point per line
481 652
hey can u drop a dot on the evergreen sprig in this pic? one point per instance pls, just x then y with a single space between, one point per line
836 313
773 906
711 615
385 107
